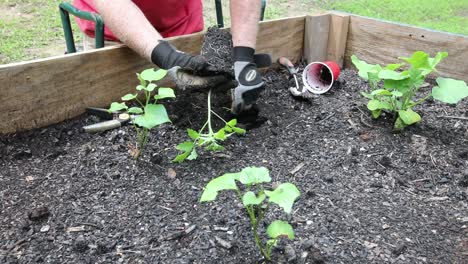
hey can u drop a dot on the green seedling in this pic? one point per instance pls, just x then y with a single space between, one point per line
257 201
395 86
148 113
209 140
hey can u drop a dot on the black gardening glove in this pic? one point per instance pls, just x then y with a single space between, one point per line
249 79
187 71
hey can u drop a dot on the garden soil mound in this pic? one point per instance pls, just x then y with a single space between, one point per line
367 195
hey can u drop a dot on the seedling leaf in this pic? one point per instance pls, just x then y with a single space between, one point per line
250 198
254 175
128 97
115 107
376 105
449 90
408 116
220 135
187 148
135 110
392 75
279 229
224 182
165 92
380 92
143 82
193 134
151 87
365 68
155 114
153 75
239 131
193 154
284 196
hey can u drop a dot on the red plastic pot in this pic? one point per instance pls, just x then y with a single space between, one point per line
318 77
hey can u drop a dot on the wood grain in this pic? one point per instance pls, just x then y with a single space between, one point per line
317 29
337 38
377 41
42 92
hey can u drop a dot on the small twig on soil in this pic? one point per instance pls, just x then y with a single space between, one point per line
297 168
365 122
420 180
18 243
353 125
380 164
433 161
325 118
330 201
291 124
454 117
88 224
165 208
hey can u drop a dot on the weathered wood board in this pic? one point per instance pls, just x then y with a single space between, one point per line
317 30
377 41
43 92
338 33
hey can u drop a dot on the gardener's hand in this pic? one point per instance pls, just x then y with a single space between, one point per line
185 79
250 82
187 71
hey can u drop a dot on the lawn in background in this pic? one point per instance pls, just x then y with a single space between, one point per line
444 15
32 29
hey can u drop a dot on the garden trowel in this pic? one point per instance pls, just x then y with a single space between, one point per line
296 91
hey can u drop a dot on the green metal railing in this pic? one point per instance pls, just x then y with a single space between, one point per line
66 9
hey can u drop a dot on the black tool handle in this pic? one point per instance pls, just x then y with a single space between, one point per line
286 63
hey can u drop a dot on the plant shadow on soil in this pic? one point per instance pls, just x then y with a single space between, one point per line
367 195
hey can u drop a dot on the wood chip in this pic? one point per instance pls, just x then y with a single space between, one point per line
76 228
171 173
45 228
369 245
220 228
436 199
223 243
297 168
29 178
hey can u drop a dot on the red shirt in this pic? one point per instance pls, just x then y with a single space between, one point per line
169 17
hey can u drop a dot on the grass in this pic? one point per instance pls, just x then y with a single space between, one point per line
32 29
444 15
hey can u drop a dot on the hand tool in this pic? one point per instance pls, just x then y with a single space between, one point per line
115 120
296 91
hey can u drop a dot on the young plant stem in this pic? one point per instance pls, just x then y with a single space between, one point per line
218 116
210 130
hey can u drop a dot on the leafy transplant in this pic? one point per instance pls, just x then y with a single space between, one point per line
209 140
257 204
148 113
401 83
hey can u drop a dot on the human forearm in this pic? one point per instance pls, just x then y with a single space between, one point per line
245 15
130 25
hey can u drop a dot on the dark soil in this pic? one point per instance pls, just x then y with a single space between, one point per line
217 49
367 195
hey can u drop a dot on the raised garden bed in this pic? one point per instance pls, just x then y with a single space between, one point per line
367 195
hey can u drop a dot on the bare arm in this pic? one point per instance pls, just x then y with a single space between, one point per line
130 25
245 15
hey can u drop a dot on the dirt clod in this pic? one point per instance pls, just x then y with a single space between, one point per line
38 213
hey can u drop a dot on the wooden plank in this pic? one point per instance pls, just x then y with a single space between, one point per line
316 37
337 38
377 41
43 92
